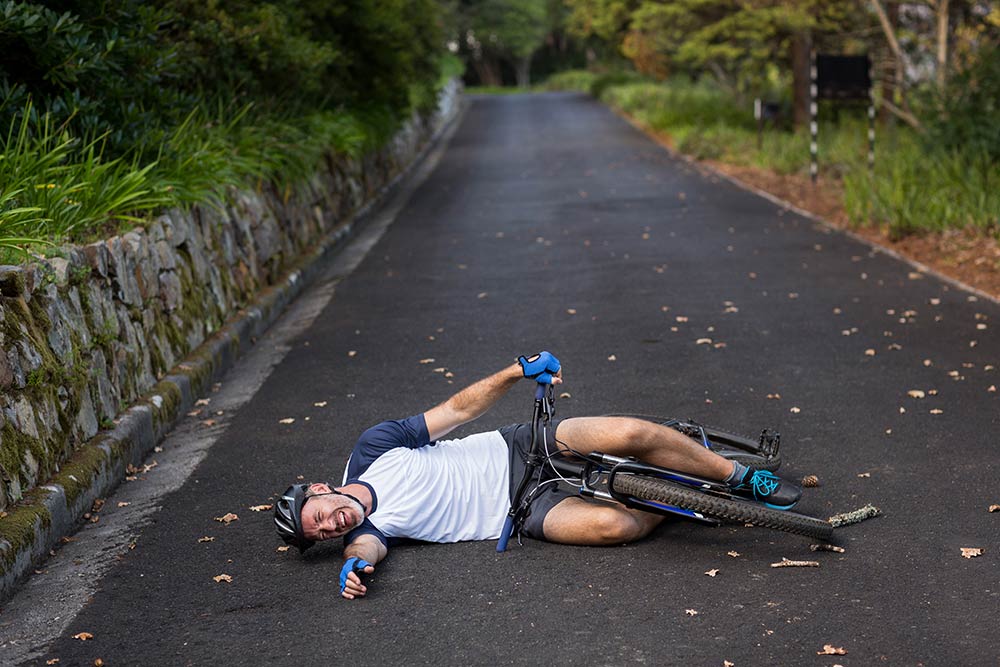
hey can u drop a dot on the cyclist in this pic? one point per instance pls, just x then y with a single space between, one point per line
403 481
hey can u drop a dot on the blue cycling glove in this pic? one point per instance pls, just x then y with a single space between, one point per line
353 564
540 367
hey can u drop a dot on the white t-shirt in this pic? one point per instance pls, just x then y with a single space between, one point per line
444 491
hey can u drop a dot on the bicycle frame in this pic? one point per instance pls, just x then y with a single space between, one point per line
599 470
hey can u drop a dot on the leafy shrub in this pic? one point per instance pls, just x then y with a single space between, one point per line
577 79
967 114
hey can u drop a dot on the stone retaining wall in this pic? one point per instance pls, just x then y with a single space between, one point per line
84 335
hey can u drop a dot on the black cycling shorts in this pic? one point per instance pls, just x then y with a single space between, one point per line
518 438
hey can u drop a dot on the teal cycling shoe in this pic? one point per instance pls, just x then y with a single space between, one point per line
767 488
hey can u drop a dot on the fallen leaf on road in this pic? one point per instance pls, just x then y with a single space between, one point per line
208 422
734 554
429 360
320 404
227 518
612 358
98 663
482 295
206 538
691 612
571 311
995 508
774 396
830 649
869 352
261 508
203 401
726 663
795 410
992 389
864 474
223 577
712 572
123 504
194 413
937 411
565 394
83 636
971 552
287 420
681 318
703 341
282 549
440 370
53 661
915 393
352 353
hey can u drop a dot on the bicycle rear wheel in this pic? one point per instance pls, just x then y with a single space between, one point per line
678 495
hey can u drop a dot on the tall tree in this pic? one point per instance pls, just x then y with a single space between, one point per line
510 30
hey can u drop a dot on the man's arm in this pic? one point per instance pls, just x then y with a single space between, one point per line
368 548
476 399
471 402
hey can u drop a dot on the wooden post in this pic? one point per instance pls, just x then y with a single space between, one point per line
813 115
871 119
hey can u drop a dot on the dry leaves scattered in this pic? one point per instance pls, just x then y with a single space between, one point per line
712 572
830 649
282 549
795 410
83 636
734 554
971 552
227 518
261 508
319 404
223 578
691 612
995 508
915 393
206 538
287 420
53 661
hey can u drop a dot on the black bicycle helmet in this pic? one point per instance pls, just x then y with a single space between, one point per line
288 516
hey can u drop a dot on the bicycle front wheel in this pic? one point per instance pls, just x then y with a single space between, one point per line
727 509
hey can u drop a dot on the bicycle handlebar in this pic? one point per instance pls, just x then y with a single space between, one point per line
508 525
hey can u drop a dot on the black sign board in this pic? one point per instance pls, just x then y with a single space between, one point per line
843 77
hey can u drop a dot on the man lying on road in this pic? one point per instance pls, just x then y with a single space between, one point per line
402 481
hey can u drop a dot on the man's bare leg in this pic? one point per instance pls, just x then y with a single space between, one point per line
653 443
577 521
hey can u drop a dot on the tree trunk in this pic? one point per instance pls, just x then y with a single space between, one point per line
523 71
890 69
488 72
942 43
800 79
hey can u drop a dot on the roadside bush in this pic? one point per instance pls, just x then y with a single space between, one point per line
577 79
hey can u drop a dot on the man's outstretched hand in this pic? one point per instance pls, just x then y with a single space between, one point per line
350 583
542 367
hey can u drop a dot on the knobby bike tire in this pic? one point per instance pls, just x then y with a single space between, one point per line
671 493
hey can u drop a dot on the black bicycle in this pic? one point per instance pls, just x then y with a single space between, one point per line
640 485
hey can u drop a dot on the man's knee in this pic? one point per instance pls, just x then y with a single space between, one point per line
614 526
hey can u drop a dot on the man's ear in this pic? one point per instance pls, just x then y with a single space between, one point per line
320 487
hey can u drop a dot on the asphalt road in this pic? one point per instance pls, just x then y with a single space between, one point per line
551 223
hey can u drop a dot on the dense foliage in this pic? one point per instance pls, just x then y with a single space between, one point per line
113 107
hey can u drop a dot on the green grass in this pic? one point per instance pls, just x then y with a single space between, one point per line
913 189
56 188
